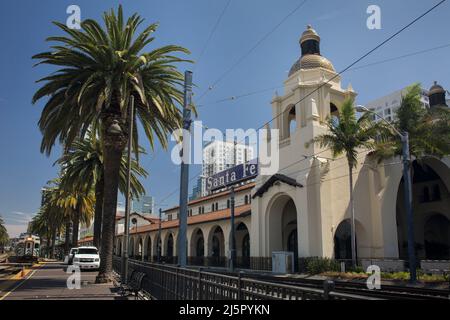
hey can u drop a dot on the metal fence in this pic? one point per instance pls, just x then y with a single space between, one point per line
165 282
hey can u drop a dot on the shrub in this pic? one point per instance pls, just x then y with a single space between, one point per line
316 265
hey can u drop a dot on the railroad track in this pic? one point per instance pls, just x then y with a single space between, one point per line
391 292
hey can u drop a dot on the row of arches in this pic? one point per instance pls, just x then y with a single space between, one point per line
212 246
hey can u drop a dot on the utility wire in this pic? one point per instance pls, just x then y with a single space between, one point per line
339 73
212 32
255 92
258 43
360 58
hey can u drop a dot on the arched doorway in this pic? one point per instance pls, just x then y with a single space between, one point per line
169 246
131 248
437 238
431 210
343 241
157 248
282 232
197 245
148 254
217 247
140 249
242 246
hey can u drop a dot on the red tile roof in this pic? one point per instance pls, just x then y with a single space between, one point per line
215 195
86 239
240 211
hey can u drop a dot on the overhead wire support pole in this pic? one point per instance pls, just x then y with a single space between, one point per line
184 181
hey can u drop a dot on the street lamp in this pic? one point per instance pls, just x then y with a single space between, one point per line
404 137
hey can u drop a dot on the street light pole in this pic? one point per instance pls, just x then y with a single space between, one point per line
128 194
232 233
232 204
185 158
407 184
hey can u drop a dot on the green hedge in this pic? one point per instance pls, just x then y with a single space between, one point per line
316 265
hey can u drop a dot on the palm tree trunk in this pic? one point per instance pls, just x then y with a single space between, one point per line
76 226
98 217
67 239
352 211
53 243
114 145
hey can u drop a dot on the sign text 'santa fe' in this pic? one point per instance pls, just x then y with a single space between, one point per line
232 176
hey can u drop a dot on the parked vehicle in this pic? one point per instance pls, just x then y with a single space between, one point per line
87 258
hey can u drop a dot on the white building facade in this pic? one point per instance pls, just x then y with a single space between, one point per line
304 207
387 106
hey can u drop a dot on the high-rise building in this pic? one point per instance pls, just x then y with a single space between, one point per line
145 205
221 155
197 189
387 106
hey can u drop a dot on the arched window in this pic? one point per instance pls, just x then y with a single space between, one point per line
292 121
426 194
217 206
436 193
212 207
228 204
334 113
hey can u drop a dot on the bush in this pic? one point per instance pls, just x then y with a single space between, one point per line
316 265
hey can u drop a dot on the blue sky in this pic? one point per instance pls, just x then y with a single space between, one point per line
341 25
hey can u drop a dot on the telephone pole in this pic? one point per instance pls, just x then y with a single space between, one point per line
185 158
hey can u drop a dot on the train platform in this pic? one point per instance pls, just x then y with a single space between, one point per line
48 281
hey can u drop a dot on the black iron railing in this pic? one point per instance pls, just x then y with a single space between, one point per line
166 282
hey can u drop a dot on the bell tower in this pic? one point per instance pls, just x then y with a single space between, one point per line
312 93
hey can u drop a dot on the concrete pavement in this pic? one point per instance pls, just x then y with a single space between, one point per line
49 282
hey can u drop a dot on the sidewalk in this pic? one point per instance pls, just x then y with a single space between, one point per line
48 281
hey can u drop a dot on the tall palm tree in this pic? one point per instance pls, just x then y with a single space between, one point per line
98 70
77 204
346 135
83 165
49 220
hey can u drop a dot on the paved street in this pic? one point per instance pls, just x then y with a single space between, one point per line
49 281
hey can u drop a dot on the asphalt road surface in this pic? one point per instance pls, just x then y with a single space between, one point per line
50 282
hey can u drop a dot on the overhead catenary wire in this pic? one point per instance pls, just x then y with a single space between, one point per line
247 53
415 20
211 34
255 92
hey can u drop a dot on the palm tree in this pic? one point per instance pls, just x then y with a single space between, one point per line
83 165
77 204
99 69
4 237
345 136
47 223
428 129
